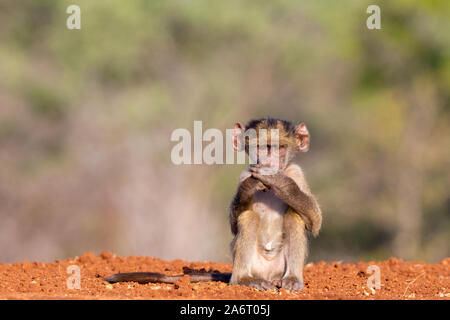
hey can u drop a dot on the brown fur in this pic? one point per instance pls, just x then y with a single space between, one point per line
269 220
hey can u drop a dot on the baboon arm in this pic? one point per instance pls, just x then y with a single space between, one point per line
292 188
248 185
299 197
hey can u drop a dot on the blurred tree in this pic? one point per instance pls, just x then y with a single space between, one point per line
86 117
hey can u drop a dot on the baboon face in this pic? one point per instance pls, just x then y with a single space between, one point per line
270 142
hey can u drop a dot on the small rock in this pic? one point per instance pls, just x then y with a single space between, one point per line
106 255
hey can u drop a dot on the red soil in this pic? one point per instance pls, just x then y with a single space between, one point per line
335 280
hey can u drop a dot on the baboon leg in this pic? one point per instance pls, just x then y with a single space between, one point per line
296 249
243 247
244 251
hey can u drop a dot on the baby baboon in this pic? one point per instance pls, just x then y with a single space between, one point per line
272 208
269 215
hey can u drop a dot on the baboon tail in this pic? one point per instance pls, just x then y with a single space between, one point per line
154 277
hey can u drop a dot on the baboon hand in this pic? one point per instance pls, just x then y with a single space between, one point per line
279 182
250 185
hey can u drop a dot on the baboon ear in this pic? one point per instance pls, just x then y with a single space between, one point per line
302 134
238 133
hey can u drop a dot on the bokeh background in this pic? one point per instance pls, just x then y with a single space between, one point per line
86 118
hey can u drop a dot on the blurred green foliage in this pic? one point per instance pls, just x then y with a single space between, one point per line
86 117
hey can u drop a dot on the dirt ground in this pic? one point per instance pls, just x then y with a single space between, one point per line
333 280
